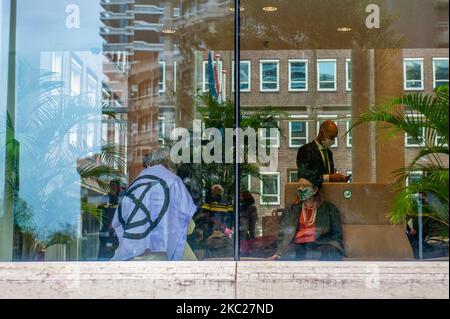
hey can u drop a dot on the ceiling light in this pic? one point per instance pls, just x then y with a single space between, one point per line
168 31
344 29
241 9
270 8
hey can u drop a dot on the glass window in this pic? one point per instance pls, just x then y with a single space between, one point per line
246 182
411 141
298 75
326 73
162 77
349 135
245 76
293 175
75 78
348 74
440 72
298 133
269 75
413 74
206 76
270 188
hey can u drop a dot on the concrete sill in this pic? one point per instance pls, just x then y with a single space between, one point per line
225 280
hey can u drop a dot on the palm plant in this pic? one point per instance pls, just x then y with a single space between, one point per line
52 171
426 119
218 115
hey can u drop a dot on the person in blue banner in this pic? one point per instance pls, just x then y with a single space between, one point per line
154 216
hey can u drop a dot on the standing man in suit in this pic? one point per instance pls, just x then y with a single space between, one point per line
317 155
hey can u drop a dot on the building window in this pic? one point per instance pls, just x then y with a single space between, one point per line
293 175
298 75
322 119
413 74
326 74
92 88
270 75
162 77
246 67
206 75
440 72
75 78
246 182
349 134
175 76
57 66
348 74
270 188
161 130
415 142
414 177
298 133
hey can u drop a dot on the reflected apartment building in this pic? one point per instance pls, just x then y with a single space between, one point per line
140 69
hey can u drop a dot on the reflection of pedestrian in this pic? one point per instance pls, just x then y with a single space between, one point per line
155 215
248 216
107 235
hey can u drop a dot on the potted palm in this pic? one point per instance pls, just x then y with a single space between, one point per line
425 119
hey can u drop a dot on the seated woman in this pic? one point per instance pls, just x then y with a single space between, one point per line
311 228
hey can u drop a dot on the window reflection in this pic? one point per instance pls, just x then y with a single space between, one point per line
96 107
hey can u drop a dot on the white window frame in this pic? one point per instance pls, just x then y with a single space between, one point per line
324 118
261 63
163 90
249 182
289 172
278 202
349 136
75 66
420 173
204 69
249 63
405 80
434 71
348 81
415 145
306 75
319 61
298 118
162 122
92 81
175 76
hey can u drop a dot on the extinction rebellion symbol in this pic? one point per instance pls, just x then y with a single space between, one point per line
146 182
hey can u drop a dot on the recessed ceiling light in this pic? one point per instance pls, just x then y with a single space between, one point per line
168 31
344 29
270 8
241 9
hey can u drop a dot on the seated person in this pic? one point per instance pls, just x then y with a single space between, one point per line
311 228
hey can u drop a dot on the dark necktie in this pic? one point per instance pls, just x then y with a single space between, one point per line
326 161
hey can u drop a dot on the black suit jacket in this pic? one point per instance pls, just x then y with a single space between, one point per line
309 158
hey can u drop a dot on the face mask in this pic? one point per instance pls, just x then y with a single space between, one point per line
306 193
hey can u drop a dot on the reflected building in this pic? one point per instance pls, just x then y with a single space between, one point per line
140 68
